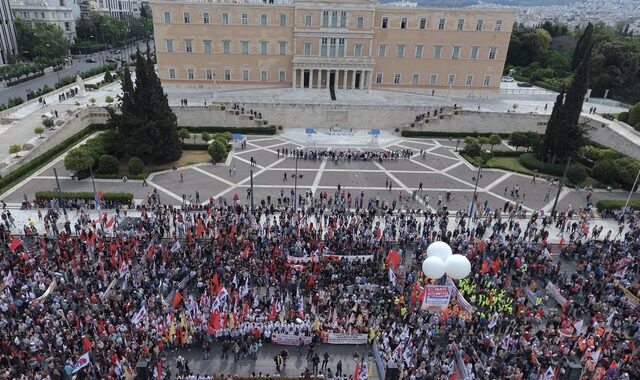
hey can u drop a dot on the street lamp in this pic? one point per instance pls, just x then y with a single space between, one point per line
295 182
483 155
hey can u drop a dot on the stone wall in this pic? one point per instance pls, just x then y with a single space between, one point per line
484 122
215 116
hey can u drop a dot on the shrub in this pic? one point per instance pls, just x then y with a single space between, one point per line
135 165
472 146
184 134
86 195
78 159
627 169
112 143
529 161
623 117
96 147
47 122
577 173
108 77
616 204
38 131
634 115
108 165
605 171
205 137
15 148
92 101
217 150
108 99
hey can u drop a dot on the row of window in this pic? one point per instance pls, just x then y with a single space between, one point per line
207 46
386 22
379 78
335 19
335 47
224 18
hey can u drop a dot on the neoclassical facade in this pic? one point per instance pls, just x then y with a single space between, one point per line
343 44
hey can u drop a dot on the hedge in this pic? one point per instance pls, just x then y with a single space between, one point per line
616 204
410 133
506 153
246 130
30 167
529 161
86 195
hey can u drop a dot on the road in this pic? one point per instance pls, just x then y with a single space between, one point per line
51 79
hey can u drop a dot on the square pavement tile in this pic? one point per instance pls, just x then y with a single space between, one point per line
223 171
430 181
445 151
403 165
263 142
262 157
193 180
273 177
419 145
290 163
487 176
435 162
354 179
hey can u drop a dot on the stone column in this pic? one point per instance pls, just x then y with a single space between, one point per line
311 78
344 79
369 80
295 73
353 79
326 83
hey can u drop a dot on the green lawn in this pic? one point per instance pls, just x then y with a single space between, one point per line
508 163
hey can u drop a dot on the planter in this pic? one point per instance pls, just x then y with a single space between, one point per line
279 127
426 121
398 129
413 125
222 108
264 122
455 112
441 117
250 117
237 113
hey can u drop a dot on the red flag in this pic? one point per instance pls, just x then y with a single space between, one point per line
177 299
393 258
356 373
151 251
233 231
379 233
200 230
245 309
209 211
214 321
15 243
92 239
188 236
159 370
216 283
561 244
273 313
110 222
245 252
100 195
86 344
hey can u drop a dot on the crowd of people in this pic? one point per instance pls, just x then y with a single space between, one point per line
92 297
346 155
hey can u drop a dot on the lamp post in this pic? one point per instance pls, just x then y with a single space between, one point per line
295 183
475 188
633 188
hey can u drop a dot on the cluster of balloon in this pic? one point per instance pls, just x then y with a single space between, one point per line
440 260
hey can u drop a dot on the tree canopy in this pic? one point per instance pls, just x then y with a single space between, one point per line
615 63
146 126
40 40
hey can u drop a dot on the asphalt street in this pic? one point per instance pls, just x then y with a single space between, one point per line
51 79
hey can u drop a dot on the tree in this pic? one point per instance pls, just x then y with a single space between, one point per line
108 77
135 166
146 125
108 165
565 134
78 160
577 173
184 134
108 99
38 131
634 115
47 122
518 139
605 171
15 148
494 139
217 151
583 47
472 146
205 137
40 40
527 45
92 101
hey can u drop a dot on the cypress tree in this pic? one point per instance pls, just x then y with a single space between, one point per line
554 126
583 47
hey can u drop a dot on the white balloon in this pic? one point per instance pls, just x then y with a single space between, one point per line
457 267
433 267
439 249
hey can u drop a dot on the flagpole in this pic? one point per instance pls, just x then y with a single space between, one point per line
633 188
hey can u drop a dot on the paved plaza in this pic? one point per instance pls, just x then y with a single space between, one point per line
440 169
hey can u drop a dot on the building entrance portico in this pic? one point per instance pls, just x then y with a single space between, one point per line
323 78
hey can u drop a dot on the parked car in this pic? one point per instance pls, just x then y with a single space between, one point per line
524 84
507 78
110 60
116 51
90 60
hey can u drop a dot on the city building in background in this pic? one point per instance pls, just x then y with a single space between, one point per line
120 8
62 13
343 44
8 44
